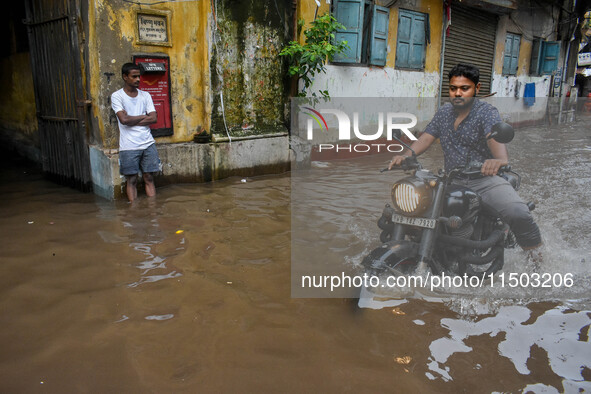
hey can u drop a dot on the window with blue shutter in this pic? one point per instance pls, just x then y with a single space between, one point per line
549 58
379 36
366 31
544 57
411 43
511 55
350 14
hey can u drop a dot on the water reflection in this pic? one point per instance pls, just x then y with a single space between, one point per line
560 332
151 263
102 296
549 346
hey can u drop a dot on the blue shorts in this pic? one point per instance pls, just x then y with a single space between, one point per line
131 162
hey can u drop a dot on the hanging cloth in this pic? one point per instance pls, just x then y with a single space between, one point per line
529 94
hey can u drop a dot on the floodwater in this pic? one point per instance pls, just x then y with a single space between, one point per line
191 292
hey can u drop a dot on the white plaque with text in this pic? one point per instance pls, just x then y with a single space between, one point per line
152 28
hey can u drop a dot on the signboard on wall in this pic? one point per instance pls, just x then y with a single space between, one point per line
153 28
585 59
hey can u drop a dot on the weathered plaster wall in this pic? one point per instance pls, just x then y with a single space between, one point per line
435 10
17 102
364 81
228 46
190 162
112 42
18 118
529 24
343 81
248 75
306 10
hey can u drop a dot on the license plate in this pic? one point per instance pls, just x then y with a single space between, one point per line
420 222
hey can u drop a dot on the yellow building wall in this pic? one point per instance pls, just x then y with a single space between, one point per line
499 50
112 36
306 9
433 54
525 48
17 102
524 61
527 25
434 8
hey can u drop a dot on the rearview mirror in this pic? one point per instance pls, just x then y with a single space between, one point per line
502 132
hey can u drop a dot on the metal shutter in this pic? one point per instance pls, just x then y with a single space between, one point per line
471 40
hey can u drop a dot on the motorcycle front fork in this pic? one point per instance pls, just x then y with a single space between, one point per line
428 235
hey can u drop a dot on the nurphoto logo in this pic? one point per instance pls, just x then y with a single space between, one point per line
402 121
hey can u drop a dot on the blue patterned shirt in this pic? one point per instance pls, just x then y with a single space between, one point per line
469 138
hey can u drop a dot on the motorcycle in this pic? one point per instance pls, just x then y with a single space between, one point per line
438 225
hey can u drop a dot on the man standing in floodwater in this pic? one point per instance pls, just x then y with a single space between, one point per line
137 149
461 127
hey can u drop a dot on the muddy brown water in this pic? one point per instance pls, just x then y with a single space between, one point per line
191 292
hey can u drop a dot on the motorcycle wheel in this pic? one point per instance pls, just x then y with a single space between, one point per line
394 257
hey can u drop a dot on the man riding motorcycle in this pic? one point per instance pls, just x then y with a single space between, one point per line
462 127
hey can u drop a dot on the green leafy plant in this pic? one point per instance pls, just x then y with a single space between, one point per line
309 59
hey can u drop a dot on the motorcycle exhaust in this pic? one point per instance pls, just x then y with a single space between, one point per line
495 237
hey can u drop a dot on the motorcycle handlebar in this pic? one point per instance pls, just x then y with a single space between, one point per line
474 169
410 163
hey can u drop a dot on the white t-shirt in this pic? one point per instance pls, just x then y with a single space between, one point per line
133 137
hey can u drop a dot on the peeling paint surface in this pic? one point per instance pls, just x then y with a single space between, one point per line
433 50
307 9
528 26
247 71
509 97
112 42
346 81
17 104
362 81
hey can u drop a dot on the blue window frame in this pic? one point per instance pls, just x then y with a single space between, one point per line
379 36
350 14
544 57
411 43
366 31
511 55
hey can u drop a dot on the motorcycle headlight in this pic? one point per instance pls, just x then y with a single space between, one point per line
411 197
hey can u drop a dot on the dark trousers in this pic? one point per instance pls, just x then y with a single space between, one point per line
497 193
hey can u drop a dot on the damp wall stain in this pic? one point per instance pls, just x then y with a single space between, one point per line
112 41
248 75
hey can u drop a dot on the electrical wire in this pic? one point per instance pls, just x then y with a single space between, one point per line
224 115
220 75
279 13
526 35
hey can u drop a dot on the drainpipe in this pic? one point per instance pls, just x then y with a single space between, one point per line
564 66
294 6
441 55
294 80
564 69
